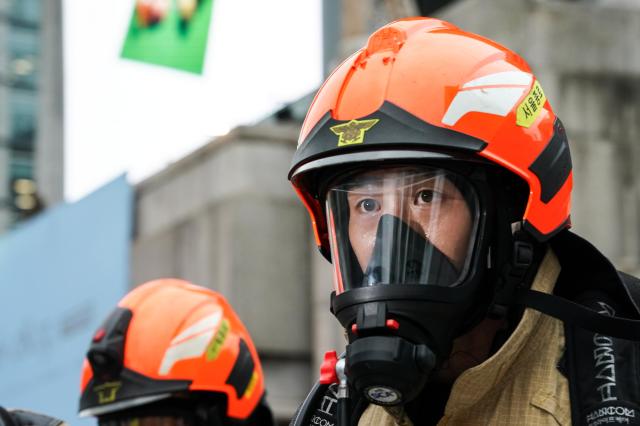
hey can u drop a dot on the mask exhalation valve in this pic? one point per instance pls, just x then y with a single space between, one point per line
388 370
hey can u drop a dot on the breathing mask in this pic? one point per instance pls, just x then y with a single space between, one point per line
407 249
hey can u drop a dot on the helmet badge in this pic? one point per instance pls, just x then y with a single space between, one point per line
352 133
107 391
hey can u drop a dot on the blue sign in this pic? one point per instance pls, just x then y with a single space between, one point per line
61 274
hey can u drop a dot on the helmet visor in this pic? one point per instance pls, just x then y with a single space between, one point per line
401 225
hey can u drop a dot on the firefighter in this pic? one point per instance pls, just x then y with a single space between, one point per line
173 353
438 181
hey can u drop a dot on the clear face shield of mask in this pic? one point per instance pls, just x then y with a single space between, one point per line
401 225
406 275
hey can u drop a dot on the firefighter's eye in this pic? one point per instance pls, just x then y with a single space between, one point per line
426 196
368 205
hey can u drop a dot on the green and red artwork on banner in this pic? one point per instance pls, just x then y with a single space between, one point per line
170 33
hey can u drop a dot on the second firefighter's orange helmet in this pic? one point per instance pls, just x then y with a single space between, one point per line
167 338
422 86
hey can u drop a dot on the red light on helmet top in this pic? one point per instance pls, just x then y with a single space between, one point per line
99 335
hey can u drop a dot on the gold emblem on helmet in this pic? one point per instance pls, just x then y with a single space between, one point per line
107 391
352 133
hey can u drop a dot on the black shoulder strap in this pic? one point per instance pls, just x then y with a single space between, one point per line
632 285
579 315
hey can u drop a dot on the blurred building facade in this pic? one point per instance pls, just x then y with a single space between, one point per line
226 217
31 101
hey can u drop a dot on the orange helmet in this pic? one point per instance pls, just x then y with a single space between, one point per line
421 87
172 340
420 159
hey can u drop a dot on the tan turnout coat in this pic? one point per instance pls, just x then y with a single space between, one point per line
518 385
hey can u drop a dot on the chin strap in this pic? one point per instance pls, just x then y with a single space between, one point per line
578 315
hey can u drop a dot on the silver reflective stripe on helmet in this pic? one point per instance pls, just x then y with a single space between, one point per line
122 405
